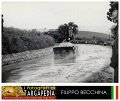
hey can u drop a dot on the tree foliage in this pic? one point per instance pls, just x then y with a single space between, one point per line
113 7
112 16
67 31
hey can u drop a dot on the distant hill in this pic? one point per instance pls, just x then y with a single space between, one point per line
83 34
90 35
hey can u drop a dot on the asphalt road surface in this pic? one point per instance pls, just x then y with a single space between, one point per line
90 59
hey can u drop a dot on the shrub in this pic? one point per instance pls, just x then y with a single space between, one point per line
16 40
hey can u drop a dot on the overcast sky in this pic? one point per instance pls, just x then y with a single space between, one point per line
89 16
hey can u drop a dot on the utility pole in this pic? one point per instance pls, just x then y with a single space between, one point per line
2 23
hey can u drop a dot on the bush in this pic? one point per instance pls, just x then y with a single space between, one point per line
15 40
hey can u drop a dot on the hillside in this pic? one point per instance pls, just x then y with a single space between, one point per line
90 35
81 35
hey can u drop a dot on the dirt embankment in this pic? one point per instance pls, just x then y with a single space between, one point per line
23 56
103 76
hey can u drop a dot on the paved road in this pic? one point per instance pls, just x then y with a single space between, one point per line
90 59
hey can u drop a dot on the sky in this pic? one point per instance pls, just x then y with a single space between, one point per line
89 16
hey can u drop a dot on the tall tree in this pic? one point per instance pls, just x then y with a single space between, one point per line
112 15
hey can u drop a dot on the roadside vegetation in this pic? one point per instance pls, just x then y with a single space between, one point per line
83 37
15 40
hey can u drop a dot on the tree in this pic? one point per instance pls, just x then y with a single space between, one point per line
113 12
67 31
112 16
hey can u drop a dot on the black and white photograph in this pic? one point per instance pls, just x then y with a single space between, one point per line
59 42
